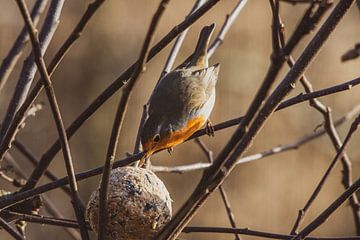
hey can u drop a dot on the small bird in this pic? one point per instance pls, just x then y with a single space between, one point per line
182 101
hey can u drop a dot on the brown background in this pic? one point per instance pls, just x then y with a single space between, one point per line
266 194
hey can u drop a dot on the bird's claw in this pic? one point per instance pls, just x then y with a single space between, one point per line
210 131
170 150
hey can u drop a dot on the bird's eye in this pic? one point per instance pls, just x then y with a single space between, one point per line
156 138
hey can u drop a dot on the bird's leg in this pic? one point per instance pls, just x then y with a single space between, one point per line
170 149
210 131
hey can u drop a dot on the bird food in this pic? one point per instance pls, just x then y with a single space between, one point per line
139 205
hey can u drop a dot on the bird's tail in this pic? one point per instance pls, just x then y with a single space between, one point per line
199 57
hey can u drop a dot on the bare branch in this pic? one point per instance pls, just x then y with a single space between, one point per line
242 138
352 53
119 119
275 150
224 197
335 139
106 94
15 52
229 21
29 67
336 204
57 117
249 232
19 117
12 231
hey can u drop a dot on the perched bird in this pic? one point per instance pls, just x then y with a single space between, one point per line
182 101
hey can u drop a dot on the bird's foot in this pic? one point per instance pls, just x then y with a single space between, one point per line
170 150
210 131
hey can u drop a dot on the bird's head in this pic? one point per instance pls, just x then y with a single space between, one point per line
155 135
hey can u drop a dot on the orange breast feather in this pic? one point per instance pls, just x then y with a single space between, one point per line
181 135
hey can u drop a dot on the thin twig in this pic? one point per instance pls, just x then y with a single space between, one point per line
352 53
224 197
167 68
21 113
229 21
12 231
34 161
144 116
62 222
119 119
339 155
249 232
335 139
69 223
243 137
178 42
275 150
29 69
57 117
11 199
50 207
16 197
15 52
106 94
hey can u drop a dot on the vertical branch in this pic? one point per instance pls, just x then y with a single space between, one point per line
167 68
15 52
29 68
178 42
224 197
335 139
144 116
119 118
240 141
21 113
350 191
229 20
102 98
57 117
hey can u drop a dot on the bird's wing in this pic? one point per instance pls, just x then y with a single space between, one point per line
183 91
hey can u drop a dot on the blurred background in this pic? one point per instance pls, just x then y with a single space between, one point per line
266 194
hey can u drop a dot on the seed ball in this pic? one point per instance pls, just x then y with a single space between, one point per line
139 205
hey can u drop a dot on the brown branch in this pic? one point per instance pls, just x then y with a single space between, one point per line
243 137
247 231
178 42
19 196
275 150
335 139
105 95
301 1
29 69
69 223
57 116
119 119
352 53
12 231
229 21
34 161
209 155
15 52
318 221
21 113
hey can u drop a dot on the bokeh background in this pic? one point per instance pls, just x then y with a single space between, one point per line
266 194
